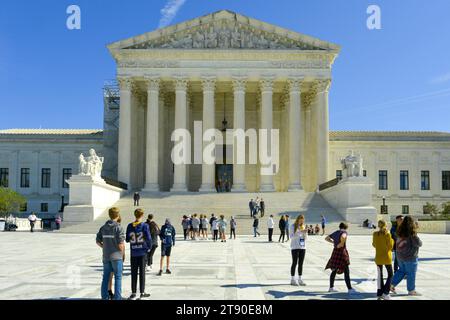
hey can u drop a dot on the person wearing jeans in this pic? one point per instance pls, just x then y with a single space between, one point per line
255 225
110 238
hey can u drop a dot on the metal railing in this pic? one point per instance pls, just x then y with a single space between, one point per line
115 183
329 184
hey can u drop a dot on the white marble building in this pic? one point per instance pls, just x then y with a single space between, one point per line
253 74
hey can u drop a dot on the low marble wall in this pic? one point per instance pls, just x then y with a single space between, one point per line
434 227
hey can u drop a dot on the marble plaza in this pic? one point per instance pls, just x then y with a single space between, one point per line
68 266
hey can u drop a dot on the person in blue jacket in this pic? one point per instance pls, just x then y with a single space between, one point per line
140 239
167 236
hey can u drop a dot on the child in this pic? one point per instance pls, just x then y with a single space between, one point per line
167 236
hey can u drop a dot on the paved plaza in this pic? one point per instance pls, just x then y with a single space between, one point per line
68 266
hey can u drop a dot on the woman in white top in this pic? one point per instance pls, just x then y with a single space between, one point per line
270 225
298 234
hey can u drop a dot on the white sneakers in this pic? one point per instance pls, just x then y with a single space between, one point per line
148 268
294 283
297 283
332 290
301 283
386 297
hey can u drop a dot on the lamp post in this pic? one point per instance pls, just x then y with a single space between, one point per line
383 210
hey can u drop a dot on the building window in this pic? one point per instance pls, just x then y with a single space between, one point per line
404 180
445 180
382 180
339 174
425 180
67 173
45 178
364 173
23 207
4 177
25 177
405 209
44 207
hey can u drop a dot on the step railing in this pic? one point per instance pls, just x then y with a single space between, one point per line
329 184
115 183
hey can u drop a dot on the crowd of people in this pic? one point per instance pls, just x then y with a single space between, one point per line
396 251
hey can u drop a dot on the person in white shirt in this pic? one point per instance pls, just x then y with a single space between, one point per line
270 225
32 218
298 234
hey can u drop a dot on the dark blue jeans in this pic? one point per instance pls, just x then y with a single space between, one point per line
115 267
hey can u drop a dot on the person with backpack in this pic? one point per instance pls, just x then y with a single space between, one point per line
233 225
140 239
256 225
167 236
154 232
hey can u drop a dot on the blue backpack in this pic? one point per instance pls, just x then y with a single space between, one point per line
168 236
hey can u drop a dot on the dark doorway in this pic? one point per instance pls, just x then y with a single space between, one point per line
224 177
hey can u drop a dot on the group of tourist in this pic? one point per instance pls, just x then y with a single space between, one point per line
257 206
195 227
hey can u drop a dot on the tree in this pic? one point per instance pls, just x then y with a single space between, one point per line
431 209
446 209
10 201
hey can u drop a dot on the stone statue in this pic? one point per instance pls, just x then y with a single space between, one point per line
352 165
92 165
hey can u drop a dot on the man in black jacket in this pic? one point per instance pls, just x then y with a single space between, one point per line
154 232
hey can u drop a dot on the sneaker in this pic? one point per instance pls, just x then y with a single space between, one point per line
144 295
332 290
352 291
159 273
132 297
386 297
168 271
414 293
294 283
148 268
393 291
110 295
380 298
301 283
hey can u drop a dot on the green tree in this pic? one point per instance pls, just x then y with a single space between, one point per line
431 209
446 209
10 201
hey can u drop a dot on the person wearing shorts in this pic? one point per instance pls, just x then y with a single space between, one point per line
167 236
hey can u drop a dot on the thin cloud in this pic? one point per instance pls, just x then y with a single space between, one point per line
441 79
169 12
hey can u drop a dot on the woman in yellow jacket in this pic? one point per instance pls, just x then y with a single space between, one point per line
383 244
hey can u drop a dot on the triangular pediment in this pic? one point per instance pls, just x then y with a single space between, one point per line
224 30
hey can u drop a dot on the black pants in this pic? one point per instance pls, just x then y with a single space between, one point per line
270 234
215 235
233 233
32 226
282 234
262 212
150 255
185 233
346 277
138 264
384 288
136 202
298 256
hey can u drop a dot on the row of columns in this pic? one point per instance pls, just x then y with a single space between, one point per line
208 170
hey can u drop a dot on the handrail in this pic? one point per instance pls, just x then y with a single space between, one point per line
115 183
329 184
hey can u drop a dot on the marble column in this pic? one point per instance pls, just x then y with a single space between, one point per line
295 139
239 85
124 148
266 85
151 148
322 132
180 171
209 122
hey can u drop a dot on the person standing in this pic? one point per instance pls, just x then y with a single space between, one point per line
407 250
395 225
136 198
256 225
282 226
262 207
110 238
195 227
185 225
251 205
154 232
340 259
286 231
233 225
324 222
298 234
167 236
215 229
32 219
222 225
383 244
111 275
270 225
205 227
58 222
140 239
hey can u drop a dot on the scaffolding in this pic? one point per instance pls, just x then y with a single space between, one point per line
111 95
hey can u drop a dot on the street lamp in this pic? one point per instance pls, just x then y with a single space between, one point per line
383 210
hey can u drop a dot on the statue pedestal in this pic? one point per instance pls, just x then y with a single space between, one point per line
89 197
352 198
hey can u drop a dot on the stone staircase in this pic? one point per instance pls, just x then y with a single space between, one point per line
169 205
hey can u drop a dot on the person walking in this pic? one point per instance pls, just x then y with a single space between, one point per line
233 225
286 231
185 225
324 222
340 259
154 232
262 207
270 225
395 225
256 225
282 226
58 222
222 225
136 198
140 239
298 234
251 206
32 219
407 250
383 244
111 238
167 236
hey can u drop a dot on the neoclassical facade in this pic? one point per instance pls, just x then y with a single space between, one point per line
223 66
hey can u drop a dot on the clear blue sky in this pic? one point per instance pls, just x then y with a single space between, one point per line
397 78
